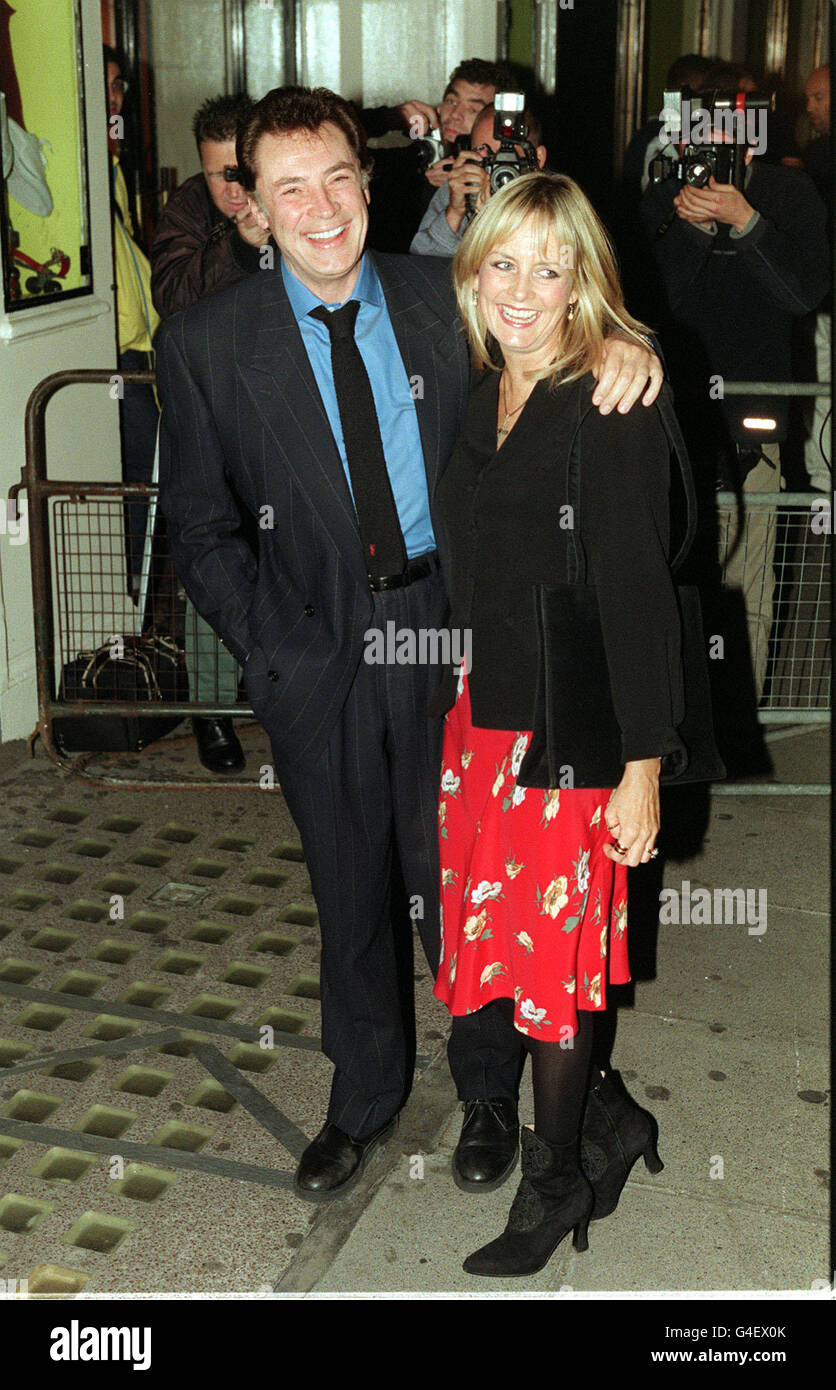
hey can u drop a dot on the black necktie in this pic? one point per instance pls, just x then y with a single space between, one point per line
383 544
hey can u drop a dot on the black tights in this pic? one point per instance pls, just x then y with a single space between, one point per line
561 1077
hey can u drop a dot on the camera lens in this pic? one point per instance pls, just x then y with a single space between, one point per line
698 174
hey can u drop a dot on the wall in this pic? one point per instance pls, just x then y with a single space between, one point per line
82 423
519 32
187 56
374 51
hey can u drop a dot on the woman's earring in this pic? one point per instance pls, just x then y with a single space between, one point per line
475 297
570 312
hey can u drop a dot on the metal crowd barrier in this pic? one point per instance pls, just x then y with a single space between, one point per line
81 600
797 691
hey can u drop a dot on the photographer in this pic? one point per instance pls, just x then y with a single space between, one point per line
405 177
819 329
738 264
447 216
206 238
136 321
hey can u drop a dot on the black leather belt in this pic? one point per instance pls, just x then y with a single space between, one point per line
418 568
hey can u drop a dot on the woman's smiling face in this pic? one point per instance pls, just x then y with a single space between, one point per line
525 288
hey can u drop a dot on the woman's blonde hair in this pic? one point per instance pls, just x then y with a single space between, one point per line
559 208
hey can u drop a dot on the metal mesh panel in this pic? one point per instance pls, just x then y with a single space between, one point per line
792 596
94 608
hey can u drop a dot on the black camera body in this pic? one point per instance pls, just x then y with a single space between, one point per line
698 163
692 118
510 129
506 163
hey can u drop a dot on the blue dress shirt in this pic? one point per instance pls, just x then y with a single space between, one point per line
375 338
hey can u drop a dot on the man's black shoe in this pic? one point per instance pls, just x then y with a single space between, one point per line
333 1161
217 745
486 1153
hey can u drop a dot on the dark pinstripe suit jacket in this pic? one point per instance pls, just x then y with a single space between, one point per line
246 450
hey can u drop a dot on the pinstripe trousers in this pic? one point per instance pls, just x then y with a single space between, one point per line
367 814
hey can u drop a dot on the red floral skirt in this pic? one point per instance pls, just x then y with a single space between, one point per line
531 907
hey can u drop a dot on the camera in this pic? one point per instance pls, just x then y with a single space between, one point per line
692 119
698 163
510 129
431 148
506 163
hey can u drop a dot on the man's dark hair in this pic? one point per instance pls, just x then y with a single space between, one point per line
726 76
688 71
220 118
287 109
483 74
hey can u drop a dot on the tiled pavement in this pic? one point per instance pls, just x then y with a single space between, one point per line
149 942
137 1164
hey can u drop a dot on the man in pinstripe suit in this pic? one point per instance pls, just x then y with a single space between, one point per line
251 432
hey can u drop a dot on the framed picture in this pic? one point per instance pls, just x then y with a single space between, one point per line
44 206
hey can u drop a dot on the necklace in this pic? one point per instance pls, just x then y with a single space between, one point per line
502 429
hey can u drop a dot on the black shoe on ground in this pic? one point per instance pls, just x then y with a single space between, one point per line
486 1153
553 1198
333 1162
217 745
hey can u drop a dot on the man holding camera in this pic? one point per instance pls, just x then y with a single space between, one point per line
405 177
206 238
468 184
739 262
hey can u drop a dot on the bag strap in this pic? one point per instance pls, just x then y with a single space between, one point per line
576 564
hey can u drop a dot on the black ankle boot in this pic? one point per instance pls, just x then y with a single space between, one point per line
553 1197
615 1132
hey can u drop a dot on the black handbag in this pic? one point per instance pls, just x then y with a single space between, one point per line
148 668
575 733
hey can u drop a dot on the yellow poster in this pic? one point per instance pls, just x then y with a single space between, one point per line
44 158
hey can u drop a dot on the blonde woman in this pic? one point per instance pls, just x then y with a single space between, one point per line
534 883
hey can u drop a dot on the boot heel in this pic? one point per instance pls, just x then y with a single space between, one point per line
652 1161
579 1240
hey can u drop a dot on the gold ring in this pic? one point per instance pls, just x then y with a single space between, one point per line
620 849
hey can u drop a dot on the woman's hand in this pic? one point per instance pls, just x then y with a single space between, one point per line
632 815
622 374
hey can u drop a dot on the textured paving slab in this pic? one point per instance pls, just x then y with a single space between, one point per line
149 942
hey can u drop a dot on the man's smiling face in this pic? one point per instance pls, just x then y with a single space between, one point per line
311 195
